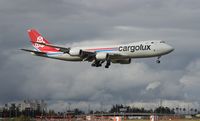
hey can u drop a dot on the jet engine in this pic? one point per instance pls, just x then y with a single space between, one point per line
75 52
102 56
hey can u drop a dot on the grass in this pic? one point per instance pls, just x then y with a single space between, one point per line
168 120
27 119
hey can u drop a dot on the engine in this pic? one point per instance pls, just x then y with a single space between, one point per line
122 61
102 56
75 52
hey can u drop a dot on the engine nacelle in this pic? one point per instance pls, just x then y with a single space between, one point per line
75 52
102 56
122 61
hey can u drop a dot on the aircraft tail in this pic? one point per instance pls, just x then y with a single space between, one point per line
37 37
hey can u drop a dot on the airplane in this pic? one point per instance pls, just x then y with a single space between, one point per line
117 54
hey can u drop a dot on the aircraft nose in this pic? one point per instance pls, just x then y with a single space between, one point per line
170 48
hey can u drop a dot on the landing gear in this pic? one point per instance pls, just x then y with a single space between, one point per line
107 64
97 63
158 61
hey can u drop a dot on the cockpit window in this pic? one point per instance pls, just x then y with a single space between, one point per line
152 42
162 41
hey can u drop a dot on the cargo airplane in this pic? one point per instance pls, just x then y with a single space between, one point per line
120 54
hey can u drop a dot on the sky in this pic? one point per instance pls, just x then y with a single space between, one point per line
89 22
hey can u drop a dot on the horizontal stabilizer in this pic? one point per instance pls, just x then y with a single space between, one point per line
62 49
35 52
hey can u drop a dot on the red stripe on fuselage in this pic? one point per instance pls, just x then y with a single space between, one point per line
101 49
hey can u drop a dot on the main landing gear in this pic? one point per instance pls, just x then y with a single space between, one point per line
158 59
107 64
97 63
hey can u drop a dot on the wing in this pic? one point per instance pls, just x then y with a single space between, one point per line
85 54
116 56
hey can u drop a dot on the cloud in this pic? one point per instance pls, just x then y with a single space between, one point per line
152 85
190 80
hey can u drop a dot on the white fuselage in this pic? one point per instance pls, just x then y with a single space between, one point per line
142 49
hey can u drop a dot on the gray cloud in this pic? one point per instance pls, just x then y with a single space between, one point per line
99 22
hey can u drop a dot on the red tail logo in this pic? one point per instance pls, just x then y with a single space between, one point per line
36 37
40 40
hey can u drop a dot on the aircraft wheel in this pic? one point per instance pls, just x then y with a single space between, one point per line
107 66
93 64
98 65
157 61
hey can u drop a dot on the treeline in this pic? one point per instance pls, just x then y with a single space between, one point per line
127 109
14 111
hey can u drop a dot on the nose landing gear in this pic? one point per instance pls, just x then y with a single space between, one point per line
158 59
